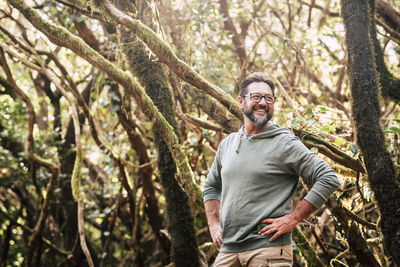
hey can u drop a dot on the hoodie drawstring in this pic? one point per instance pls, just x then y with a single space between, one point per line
240 141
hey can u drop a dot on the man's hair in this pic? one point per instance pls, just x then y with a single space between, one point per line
256 77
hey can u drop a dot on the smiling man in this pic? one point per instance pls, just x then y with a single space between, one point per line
249 189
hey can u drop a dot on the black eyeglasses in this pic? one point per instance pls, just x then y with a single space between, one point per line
269 99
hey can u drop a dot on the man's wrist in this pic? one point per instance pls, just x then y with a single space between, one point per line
212 224
295 217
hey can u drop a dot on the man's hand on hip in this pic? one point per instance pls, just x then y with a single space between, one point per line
279 226
286 223
216 234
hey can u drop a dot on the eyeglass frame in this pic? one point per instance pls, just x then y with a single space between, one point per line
262 96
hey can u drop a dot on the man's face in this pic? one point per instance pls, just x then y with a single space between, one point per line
258 113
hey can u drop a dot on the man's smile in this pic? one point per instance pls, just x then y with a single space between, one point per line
260 110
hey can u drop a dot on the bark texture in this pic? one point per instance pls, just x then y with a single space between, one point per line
366 110
151 75
390 85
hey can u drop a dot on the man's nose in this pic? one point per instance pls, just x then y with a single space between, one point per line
262 101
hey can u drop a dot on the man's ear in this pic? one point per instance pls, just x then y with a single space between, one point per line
240 101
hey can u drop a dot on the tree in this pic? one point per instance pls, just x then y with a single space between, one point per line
358 18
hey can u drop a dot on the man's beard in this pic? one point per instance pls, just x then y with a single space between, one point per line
258 121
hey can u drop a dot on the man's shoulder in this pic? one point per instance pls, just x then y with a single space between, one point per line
230 138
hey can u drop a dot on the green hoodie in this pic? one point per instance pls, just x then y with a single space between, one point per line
256 177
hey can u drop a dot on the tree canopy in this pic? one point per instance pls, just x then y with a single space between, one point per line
111 113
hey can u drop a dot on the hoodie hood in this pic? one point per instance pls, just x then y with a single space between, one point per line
270 131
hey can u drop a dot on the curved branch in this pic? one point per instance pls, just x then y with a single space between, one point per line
390 85
360 220
357 244
306 248
166 55
332 152
390 18
230 27
76 173
394 35
214 109
201 123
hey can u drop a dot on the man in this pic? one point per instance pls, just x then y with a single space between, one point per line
251 183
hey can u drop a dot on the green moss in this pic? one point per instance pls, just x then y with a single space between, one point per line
76 176
173 164
307 251
366 109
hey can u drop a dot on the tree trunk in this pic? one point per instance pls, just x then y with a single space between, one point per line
152 77
366 110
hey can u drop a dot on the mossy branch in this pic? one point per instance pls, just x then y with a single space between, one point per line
166 55
389 84
329 150
214 109
361 221
307 251
76 175
201 123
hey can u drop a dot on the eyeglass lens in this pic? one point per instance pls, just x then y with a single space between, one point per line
257 98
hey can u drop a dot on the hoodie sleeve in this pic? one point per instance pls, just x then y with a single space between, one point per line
302 162
212 186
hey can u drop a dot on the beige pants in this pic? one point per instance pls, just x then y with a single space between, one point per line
263 257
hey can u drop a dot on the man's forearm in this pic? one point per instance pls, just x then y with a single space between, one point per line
302 210
212 211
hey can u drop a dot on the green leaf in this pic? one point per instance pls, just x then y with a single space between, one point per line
340 141
323 109
328 128
314 149
308 111
392 129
